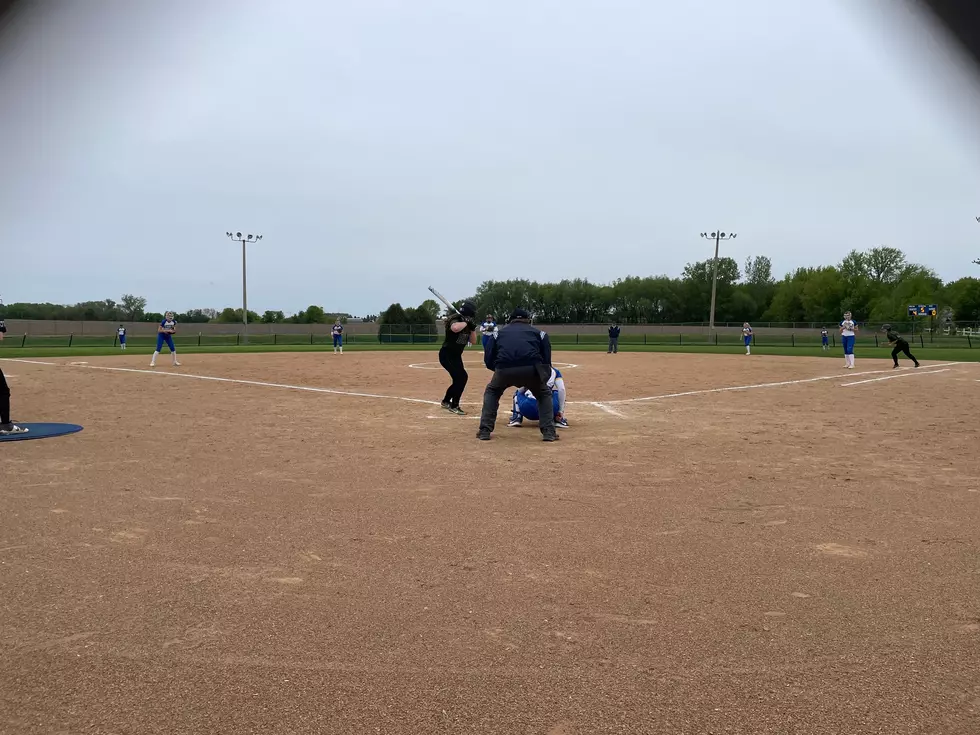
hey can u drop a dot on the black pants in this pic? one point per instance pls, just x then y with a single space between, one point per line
534 378
453 363
903 347
4 400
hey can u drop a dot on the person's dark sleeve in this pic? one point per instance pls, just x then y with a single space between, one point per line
545 348
490 354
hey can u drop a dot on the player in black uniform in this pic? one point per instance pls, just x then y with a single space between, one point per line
895 340
6 427
460 331
3 329
519 356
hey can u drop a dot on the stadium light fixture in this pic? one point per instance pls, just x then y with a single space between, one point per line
717 236
244 240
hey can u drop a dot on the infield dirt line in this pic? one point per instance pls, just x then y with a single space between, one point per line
757 386
260 383
606 406
892 377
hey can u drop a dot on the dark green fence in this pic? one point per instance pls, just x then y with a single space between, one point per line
430 335
408 334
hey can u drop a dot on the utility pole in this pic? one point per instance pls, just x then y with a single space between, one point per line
244 240
717 237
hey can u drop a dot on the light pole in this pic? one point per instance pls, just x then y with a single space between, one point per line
977 261
717 237
244 240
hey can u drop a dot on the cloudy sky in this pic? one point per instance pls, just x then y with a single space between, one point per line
381 146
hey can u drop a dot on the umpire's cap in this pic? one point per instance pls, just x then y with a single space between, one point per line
467 308
519 313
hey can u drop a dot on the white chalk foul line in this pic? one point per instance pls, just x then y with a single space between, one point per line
28 362
260 383
437 366
607 409
892 377
756 386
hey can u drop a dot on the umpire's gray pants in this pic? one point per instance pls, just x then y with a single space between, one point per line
535 379
614 344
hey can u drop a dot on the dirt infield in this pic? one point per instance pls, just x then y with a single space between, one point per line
307 543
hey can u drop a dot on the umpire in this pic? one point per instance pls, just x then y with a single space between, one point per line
613 339
520 355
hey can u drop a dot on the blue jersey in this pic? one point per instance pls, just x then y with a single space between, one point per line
121 332
527 405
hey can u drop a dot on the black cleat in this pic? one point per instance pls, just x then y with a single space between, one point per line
445 405
483 435
917 365
457 410
552 437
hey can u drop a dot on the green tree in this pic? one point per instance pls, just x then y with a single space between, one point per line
133 307
963 297
884 264
394 314
233 316
703 270
273 317
196 316
758 271
315 315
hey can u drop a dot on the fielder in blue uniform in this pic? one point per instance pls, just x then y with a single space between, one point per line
165 336
488 330
825 338
338 337
121 333
526 405
848 331
747 337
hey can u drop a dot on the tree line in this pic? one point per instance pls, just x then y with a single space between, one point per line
132 308
877 285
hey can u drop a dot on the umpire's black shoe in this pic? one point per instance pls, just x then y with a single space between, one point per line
552 437
483 435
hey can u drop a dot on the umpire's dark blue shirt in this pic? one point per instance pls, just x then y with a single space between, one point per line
517 345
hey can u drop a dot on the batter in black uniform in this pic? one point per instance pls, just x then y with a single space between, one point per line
519 356
895 340
460 331
6 427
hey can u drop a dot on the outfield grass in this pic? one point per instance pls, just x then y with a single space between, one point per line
87 349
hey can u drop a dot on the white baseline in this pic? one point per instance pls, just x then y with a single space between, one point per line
757 386
892 377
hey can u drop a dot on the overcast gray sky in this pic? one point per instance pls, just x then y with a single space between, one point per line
384 146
